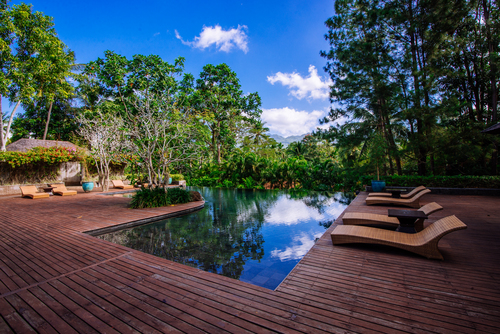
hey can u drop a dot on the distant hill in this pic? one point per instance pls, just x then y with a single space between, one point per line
287 140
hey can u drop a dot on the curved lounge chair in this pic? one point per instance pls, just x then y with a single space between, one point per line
424 243
32 192
413 202
119 184
60 189
361 218
406 196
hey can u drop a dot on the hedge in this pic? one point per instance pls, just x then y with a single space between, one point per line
458 181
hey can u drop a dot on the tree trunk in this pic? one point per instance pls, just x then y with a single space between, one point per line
47 123
11 118
491 52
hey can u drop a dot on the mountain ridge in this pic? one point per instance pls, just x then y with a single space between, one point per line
287 140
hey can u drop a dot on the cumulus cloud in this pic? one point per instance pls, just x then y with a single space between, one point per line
302 244
311 87
285 212
224 40
290 122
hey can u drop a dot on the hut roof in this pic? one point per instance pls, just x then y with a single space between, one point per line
495 129
24 145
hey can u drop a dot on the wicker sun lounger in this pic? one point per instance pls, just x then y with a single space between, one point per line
60 189
119 184
32 192
424 243
409 195
362 218
413 202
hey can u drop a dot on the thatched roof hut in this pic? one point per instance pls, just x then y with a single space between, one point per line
25 144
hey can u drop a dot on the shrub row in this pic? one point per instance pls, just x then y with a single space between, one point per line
457 181
158 197
50 156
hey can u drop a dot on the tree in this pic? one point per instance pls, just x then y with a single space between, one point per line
161 134
219 100
34 62
32 122
416 72
104 131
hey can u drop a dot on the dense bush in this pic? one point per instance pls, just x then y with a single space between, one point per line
158 197
444 181
149 198
195 196
37 155
178 196
250 171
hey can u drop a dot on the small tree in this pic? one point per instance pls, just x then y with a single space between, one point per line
161 134
105 135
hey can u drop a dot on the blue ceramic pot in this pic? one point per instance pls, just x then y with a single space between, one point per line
378 186
87 186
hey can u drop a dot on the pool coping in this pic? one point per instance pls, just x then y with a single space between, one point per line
118 227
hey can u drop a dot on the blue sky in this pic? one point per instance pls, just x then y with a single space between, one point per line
273 46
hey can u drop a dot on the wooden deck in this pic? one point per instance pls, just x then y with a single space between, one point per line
54 278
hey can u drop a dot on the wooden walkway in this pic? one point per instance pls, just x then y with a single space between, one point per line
54 278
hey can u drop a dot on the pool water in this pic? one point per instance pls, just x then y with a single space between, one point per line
255 236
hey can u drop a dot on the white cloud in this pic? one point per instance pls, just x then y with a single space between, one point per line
302 244
285 212
291 122
224 40
312 87
156 34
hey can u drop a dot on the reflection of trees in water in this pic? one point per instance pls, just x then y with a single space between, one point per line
327 223
321 200
220 238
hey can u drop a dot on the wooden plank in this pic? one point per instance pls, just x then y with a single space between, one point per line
332 289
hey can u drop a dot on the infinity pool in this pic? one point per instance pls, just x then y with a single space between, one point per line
255 236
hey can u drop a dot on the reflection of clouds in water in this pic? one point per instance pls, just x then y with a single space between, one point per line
289 212
301 245
335 209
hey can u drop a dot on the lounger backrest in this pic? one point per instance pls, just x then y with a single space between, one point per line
28 190
440 228
414 191
58 187
117 183
420 194
430 208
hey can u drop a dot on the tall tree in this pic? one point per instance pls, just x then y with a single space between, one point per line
221 102
36 62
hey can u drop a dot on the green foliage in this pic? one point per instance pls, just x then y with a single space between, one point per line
149 198
250 171
420 75
219 98
50 156
158 197
444 181
178 196
177 177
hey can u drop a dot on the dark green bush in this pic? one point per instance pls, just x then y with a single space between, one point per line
195 196
439 181
178 196
149 198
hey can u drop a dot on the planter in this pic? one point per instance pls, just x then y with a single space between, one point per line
169 180
378 186
87 186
